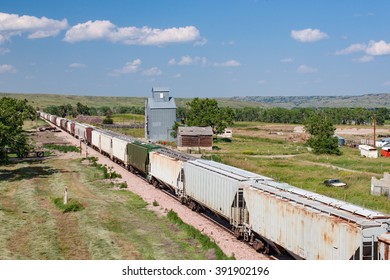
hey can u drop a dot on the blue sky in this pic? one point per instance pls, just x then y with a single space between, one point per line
202 48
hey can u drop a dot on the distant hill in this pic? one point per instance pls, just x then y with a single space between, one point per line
363 101
44 100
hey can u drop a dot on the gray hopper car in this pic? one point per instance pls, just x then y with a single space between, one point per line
309 225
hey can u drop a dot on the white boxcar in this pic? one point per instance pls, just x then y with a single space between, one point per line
215 185
312 226
58 121
80 131
119 149
96 139
166 166
106 142
69 126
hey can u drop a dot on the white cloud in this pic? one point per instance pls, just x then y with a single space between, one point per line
188 60
154 71
262 82
387 83
200 42
77 65
130 67
364 59
373 48
229 63
303 69
15 25
90 30
202 61
287 60
4 50
351 49
308 35
177 76
105 30
378 48
6 68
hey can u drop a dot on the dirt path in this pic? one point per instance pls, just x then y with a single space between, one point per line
229 245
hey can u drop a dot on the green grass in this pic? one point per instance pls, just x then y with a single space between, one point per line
71 206
303 169
114 224
62 148
206 242
128 118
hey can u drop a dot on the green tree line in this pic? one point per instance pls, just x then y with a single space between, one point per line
67 110
358 116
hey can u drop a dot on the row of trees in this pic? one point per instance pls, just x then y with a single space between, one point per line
13 113
80 109
358 116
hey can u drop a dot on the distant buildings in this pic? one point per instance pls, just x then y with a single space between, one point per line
160 115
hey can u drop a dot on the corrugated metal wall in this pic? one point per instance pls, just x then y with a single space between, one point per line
160 122
308 233
165 168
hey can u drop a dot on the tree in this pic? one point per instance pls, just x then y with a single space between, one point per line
322 139
83 109
205 112
13 112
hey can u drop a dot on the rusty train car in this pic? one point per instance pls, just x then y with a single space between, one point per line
271 216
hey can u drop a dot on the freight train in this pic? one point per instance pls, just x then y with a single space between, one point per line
269 215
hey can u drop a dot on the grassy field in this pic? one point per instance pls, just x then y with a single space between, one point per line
110 224
292 163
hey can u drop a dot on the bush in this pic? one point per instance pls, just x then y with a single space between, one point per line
104 169
62 148
71 206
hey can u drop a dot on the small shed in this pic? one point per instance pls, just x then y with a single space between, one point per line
381 186
190 137
340 140
368 151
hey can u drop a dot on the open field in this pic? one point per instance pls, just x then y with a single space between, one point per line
112 224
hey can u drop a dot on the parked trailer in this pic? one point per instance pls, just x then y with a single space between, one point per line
166 169
309 225
215 186
138 157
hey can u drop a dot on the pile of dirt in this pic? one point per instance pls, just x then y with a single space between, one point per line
89 119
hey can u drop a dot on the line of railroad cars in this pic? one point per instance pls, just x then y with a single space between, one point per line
269 215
